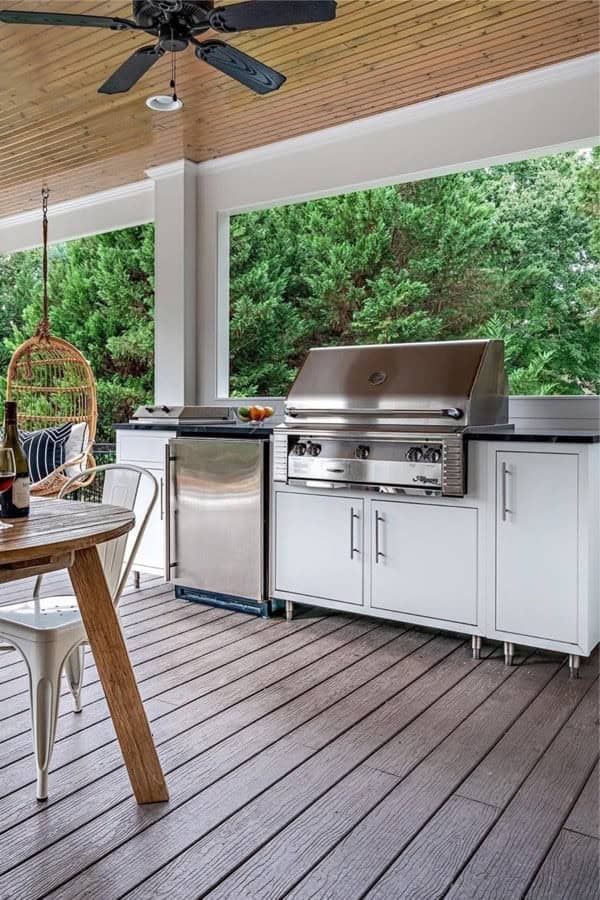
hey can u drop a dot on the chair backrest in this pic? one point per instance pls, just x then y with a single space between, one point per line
122 487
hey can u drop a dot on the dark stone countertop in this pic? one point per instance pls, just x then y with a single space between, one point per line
483 433
237 429
535 435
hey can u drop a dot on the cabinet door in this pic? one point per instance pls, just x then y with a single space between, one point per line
425 560
319 546
142 446
536 545
151 552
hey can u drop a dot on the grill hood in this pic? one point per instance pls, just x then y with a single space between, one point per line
446 386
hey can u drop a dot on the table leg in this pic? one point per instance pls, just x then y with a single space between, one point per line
116 676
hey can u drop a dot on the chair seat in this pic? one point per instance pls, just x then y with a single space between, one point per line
39 619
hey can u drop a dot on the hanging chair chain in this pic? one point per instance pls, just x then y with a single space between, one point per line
43 329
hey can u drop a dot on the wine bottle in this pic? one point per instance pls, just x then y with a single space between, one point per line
14 503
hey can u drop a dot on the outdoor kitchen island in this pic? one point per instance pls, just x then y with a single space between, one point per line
498 539
520 567
486 530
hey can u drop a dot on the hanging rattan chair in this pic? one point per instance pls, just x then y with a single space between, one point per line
52 383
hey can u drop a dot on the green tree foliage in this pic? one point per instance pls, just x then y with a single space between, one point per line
510 251
101 299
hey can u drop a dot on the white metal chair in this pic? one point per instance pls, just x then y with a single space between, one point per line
48 631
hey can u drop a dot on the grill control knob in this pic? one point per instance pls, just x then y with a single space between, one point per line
415 454
362 452
299 449
433 455
314 449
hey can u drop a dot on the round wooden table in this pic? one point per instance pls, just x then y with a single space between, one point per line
61 534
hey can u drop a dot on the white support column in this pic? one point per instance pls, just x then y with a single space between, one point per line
175 218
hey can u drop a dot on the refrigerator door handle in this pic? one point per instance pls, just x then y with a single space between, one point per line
168 564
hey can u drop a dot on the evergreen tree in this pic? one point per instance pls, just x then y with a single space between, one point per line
101 292
510 252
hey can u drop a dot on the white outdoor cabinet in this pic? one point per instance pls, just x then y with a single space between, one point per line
424 560
537 545
543 585
321 550
516 560
325 545
147 449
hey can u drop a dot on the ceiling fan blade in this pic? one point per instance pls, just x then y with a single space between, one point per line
131 70
270 14
19 17
238 65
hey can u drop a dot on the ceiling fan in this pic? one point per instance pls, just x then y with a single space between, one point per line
176 24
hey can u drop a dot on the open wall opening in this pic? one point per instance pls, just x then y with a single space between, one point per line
101 300
510 251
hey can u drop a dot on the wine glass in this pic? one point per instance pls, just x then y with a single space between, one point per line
8 472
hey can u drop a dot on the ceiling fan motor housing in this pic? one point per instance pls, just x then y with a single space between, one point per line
171 39
180 14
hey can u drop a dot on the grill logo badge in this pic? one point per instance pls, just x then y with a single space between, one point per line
377 378
422 479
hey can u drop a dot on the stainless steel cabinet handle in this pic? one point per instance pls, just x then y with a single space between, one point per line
162 498
378 518
353 516
167 496
505 508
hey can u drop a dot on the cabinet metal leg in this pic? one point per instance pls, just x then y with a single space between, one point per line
573 665
476 646
289 610
136 580
509 652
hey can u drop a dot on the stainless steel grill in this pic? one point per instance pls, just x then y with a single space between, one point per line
390 417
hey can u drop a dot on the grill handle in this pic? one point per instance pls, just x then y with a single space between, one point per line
451 412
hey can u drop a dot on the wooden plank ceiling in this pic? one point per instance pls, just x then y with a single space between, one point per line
378 55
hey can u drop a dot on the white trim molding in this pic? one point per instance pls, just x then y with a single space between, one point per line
546 78
120 207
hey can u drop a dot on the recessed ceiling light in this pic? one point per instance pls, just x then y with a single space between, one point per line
164 103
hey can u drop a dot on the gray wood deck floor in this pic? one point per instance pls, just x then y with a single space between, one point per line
330 757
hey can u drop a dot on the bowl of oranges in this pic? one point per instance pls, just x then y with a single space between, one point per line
254 413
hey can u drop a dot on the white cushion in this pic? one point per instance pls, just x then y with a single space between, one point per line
75 446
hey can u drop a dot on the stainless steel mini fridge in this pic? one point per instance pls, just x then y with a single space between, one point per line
217 520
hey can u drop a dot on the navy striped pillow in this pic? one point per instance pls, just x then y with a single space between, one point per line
45 450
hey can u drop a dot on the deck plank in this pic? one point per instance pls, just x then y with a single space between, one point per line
357 862
213 725
256 637
570 870
502 772
330 757
414 684
585 815
214 682
538 810
434 858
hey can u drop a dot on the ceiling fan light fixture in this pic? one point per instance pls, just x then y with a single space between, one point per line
164 103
